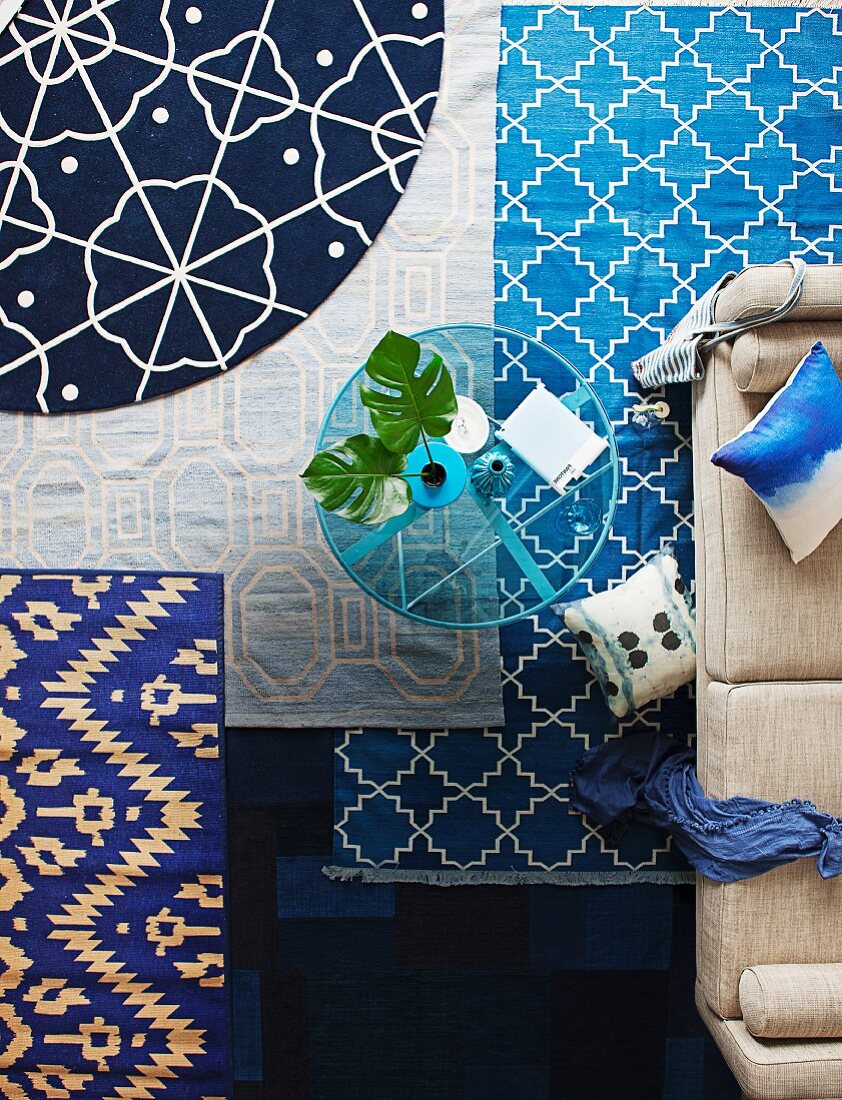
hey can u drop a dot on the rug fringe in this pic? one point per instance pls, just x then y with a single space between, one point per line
720 5
508 878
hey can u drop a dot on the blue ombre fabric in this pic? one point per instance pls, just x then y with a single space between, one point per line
790 455
651 778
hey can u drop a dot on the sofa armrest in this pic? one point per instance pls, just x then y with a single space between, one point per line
763 359
764 286
793 1001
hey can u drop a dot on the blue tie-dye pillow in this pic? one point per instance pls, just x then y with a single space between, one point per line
790 455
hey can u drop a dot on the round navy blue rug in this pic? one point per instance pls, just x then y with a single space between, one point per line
181 183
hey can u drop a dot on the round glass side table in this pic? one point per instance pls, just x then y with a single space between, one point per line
483 561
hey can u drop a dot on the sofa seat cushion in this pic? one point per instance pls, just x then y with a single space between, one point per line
774 741
777 1069
763 617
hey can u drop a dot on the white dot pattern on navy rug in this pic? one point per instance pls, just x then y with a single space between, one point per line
168 231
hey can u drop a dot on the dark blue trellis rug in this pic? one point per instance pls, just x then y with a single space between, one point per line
181 184
637 161
112 836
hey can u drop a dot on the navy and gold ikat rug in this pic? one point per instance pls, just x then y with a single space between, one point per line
113 939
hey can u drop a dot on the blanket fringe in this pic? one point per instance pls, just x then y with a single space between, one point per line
508 878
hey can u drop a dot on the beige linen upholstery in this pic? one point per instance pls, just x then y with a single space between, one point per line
763 359
761 615
774 741
792 1001
769 690
788 915
764 286
778 1069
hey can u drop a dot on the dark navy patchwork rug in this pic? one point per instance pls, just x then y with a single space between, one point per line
402 991
182 183
113 935
637 162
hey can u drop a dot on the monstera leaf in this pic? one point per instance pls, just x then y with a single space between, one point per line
360 480
415 404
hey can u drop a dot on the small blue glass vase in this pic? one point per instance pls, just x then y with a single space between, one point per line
493 473
452 468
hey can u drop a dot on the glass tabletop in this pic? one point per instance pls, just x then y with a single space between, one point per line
480 561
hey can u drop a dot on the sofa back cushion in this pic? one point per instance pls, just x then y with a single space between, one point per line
774 741
790 454
760 616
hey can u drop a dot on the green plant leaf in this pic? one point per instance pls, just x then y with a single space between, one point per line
360 480
415 402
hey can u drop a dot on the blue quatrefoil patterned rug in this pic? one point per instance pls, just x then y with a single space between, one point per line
181 184
637 161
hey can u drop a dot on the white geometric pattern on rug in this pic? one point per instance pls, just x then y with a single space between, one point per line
206 478
180 185
642 152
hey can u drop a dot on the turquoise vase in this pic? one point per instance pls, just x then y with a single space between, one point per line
493 473
452 468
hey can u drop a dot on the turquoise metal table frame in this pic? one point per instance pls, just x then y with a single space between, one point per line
506 535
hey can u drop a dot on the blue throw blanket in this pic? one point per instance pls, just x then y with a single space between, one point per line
651 778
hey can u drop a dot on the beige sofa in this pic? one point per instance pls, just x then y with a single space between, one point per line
769 688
